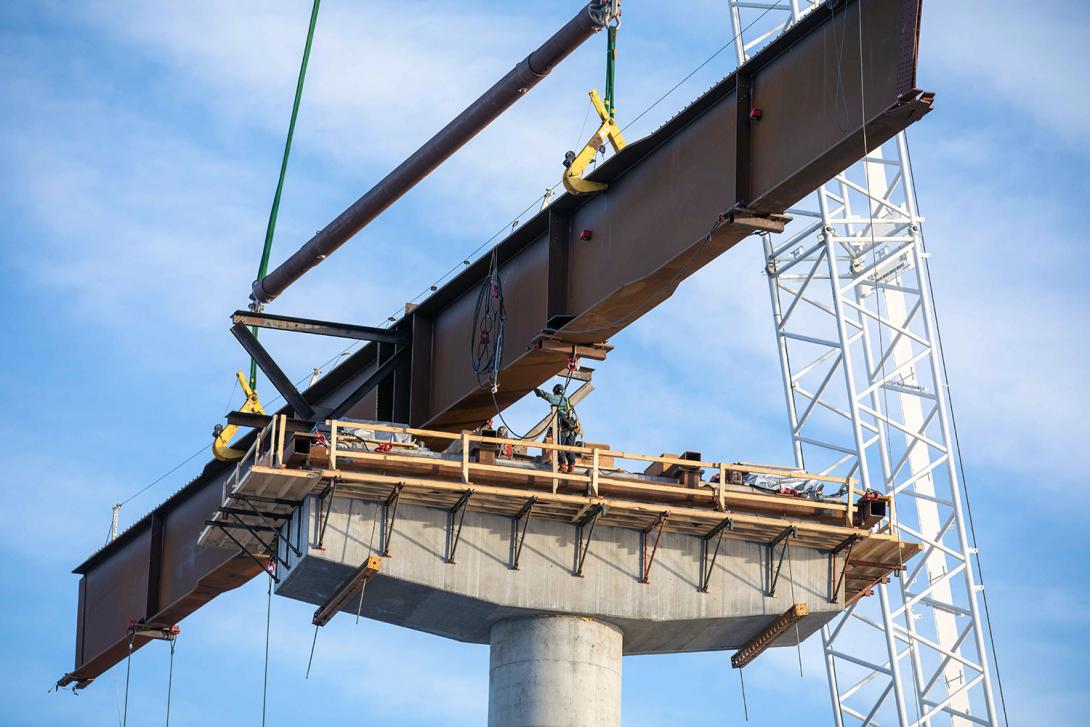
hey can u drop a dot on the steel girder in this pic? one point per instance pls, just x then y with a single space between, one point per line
667 211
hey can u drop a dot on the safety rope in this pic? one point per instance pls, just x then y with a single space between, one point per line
268 621
170 677
128 673
794 600
363 586
370 541
745 704
263 267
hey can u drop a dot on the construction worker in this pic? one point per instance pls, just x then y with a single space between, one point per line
567 422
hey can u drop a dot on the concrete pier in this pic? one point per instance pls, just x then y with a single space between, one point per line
554 671
418 588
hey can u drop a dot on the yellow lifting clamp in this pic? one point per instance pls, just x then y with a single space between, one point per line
577 163
221 447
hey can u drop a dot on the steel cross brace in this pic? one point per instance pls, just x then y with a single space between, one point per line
321 328
455 534
783 537
270 500
389 517
264 519
581 547
252 529
835 582
706 566
275 374
645 561
518 539
241 547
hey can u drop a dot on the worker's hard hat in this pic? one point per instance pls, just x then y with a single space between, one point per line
558 389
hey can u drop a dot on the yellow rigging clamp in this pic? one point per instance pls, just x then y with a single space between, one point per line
221 447
577 163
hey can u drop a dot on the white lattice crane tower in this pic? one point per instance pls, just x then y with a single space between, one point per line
865 386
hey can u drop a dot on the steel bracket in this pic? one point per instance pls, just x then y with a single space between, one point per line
264 565
645 559
328 496
774 577
389 518
253 530
582 545
455 534
517 538
706 565
835 581
265 519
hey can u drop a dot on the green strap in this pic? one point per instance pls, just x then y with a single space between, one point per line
263 268
611 62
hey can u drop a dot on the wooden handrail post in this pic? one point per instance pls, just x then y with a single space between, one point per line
554 454
465 457
851 504
280 441
594 472
721 502
333 444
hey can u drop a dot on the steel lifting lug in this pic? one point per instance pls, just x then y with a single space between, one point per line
577 163
221 435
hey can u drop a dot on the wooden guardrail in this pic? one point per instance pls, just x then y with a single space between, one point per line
594 478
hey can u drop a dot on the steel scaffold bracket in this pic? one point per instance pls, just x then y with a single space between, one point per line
517 537
707 565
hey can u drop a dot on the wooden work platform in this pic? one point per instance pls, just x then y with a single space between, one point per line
282 469
257 498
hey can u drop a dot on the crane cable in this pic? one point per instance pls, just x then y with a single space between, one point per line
270 230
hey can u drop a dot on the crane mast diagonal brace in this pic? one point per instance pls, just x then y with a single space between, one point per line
650 232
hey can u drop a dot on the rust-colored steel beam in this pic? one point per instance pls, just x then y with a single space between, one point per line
482 112
649 231
768 635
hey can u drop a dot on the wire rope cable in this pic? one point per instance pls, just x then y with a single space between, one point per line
265 678
170 677
128 675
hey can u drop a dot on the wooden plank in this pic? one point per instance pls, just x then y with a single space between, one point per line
709 516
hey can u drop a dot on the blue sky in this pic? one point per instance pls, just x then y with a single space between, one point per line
139 145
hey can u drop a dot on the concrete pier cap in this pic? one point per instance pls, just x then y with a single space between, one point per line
417 587
556 640
555 671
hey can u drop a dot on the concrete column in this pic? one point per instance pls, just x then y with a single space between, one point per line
554 671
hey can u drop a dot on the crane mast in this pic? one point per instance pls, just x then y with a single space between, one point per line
863 376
